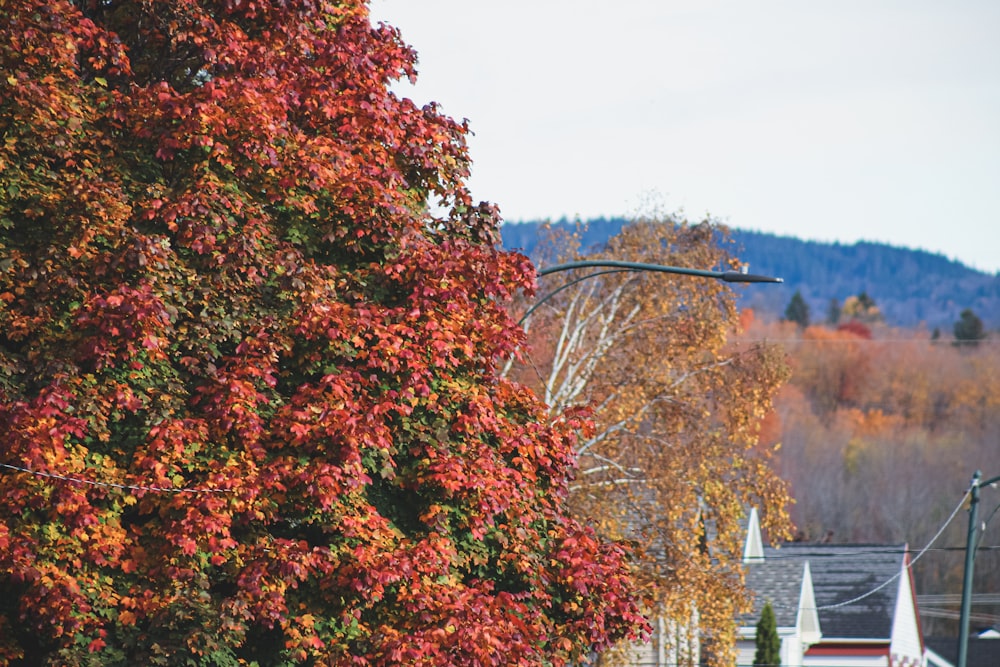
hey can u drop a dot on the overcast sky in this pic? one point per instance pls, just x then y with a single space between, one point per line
850 120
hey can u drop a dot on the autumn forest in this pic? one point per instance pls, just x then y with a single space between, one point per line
880 431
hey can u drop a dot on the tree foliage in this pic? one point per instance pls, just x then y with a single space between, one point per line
797 310
833 312
768 653
674 461
248 384
861 308
969 328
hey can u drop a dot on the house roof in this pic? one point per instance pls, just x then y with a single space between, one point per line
778 582
981 652
841 573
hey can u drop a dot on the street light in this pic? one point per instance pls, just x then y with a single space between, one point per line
615 266
728 276
971 544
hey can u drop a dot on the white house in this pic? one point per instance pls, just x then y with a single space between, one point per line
864 602
787 585
836 605
863 610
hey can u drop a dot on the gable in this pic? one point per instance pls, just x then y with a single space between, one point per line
808 616
906 635
753 546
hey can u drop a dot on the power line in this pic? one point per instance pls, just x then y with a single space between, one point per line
858 553
866 341
112 485
955 598
873 550
908 565
988 619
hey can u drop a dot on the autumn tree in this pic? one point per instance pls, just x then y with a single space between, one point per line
674 462
248 383
834 367
861 308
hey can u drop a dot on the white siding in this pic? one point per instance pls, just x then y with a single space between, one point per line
905 646
791 648
671 645
847 661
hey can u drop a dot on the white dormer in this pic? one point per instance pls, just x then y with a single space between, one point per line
753 545
808 615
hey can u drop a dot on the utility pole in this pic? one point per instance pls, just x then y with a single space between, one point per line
971 544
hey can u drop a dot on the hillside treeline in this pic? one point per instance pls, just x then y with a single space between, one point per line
880 431
912 287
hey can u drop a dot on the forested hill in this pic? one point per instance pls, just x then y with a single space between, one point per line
910 287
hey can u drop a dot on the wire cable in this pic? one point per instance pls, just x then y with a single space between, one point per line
111 485
908 565
860 553
863 341
844 554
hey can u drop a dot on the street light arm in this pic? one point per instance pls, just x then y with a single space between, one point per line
727 276
615 266
560 289
740 277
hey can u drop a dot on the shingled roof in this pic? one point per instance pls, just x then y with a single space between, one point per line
778 582
981 652
840 574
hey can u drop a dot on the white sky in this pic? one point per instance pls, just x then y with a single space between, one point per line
829 120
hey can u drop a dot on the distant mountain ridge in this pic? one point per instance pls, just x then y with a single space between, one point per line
910 287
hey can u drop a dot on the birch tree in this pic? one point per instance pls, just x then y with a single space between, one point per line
673 463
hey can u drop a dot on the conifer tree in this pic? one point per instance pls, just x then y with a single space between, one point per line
833 312
969 328
768 643
797 310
